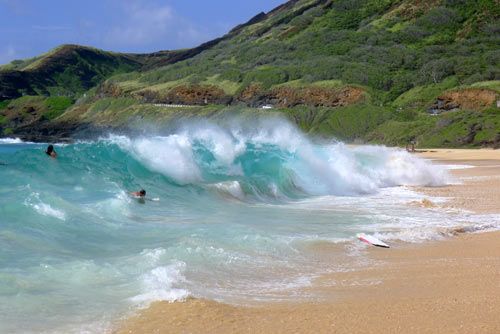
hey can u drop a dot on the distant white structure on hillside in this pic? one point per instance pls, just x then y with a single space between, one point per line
267 106
164 105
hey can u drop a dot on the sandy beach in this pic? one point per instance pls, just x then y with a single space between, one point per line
448 286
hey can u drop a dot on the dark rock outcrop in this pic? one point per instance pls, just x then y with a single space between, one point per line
473 129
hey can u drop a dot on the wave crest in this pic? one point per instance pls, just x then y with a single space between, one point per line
276 160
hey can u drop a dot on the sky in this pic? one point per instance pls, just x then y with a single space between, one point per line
31 27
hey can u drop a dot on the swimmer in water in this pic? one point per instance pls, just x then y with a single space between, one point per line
51 152
140 194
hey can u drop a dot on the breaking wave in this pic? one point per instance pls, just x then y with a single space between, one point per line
234 210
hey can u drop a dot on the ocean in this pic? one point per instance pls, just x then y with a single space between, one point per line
233 213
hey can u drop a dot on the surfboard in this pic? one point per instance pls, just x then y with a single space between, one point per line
371 240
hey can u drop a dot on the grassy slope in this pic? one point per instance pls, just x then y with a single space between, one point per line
403 53
68 70
354 42
28 110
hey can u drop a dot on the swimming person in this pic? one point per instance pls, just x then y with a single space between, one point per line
51 152
140 194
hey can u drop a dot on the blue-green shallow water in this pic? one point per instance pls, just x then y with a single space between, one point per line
238 210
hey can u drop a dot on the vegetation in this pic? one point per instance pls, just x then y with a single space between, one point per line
403 54
460 129
343 121
7 131
4 104
66 71
28 110
388 46
422 96
56 106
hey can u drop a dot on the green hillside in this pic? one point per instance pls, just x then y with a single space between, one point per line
388 46
69 70
377 70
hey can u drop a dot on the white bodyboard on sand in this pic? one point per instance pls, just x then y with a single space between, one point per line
369 239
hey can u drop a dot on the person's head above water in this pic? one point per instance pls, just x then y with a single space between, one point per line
51 152
140 193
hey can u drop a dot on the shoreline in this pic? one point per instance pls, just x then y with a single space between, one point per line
478 189
421 292
439 286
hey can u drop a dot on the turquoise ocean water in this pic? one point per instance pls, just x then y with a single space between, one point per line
235 212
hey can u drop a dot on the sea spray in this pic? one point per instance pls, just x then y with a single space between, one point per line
277 154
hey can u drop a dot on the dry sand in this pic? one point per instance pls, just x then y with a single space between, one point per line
451 286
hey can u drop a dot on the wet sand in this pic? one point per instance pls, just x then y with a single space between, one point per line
479 190
450 286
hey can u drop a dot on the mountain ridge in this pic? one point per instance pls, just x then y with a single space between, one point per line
414 64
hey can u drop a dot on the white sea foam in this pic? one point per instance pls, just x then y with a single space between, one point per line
319 169
171 156
432 226
398 167
395 213
116 206
223 145
47 210
10 141
161 284
153 256
269 131
420 230
454 167
14 141
340 170
44 209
